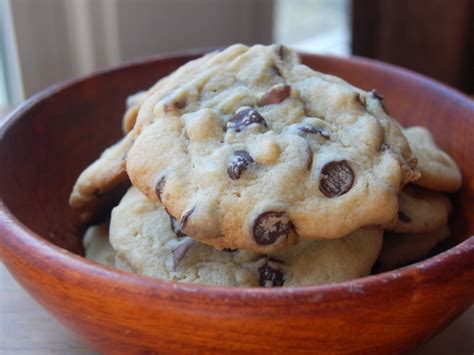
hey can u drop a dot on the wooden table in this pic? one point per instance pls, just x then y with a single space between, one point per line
26 328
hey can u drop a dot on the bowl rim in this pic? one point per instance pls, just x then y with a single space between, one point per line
16 238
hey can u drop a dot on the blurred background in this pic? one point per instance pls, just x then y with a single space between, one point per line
46 41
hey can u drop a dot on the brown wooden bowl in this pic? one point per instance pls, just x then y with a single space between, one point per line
48 141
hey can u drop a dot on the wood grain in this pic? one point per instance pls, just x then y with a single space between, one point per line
429 36
64 128
26 328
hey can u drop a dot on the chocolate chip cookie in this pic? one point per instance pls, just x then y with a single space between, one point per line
402 249
101 185
247 148
133 104
96 245
438 170
148 241
421 210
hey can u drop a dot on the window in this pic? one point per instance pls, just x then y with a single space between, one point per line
11 86
313 25
3 88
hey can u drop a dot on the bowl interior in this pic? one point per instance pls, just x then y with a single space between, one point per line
47 142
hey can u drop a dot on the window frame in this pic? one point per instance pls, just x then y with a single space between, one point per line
9 53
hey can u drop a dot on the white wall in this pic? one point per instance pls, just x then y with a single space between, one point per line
148 26
42 42
60 39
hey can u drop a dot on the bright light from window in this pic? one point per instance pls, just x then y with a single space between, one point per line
3 87
313 25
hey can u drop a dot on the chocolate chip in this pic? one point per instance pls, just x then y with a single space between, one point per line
403 217
376 95
379 97
270 277
229 250
281 51
185 218
323 132
180 252
180 104
336 178
360 99
270 226
310 154
245 118
175 227
173 106
275 95
384 146
276 70
160 184
238 163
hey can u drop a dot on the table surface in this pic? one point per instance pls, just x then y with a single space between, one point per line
27 328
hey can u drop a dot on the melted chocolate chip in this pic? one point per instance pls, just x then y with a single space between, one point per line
238 163
309 162
270 277
245 118
160 184
180 252
402 217
270 226
185 218
275 95
175 227
323 132
336 178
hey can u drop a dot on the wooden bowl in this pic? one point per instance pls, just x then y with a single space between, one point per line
47 142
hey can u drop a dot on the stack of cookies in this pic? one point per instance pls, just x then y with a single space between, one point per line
247 168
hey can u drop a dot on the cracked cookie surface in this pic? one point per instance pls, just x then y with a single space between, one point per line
247 148
148 241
